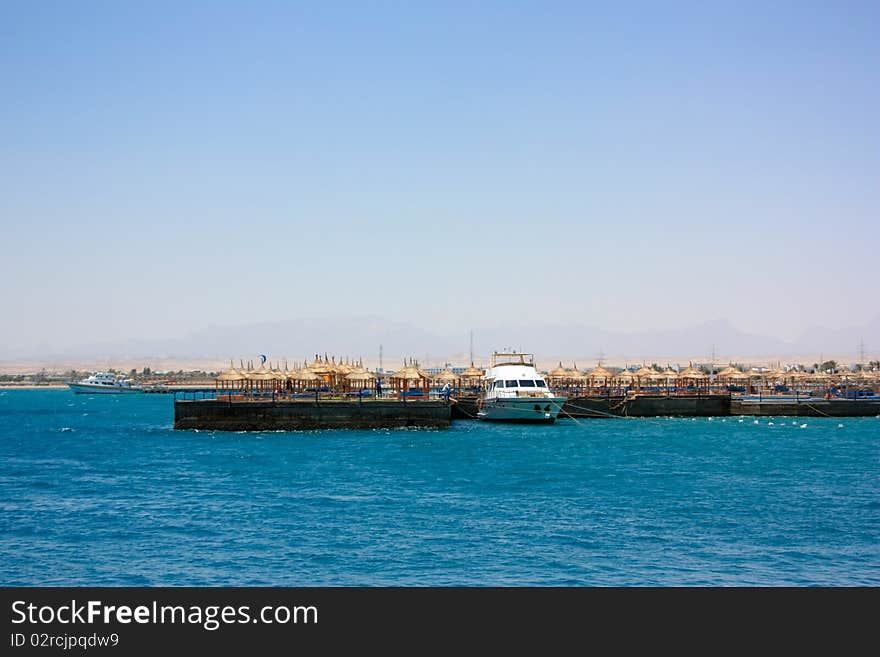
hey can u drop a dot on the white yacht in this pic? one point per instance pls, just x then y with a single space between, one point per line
104 383
515 392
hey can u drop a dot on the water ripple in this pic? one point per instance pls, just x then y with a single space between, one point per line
104 492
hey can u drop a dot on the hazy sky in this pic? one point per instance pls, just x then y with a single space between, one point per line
169 166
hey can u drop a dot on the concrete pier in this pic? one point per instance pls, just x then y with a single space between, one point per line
224 415
646 406
806 407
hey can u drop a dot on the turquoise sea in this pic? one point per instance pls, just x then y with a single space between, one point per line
99 490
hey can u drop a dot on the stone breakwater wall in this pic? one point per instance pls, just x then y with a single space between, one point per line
222 415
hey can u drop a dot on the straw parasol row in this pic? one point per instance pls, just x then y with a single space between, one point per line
321 371
345 375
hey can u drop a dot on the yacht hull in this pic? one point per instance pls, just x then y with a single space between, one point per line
526 410
83 388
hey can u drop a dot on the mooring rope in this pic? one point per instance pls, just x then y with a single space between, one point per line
591 410
461 408
817 410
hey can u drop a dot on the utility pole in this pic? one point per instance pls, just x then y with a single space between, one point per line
862 353
380 359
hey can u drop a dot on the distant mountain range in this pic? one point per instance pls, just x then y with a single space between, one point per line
361 336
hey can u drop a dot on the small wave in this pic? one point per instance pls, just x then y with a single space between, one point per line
63 429
803 426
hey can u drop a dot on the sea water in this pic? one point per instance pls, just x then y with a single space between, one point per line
100 490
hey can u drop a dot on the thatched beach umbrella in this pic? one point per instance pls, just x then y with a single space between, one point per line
775 375
575 376
304 377
447 376
359 379
597 374
262 378
227 380
727 371
643 374
472 376
666 376
321 367
402 378
692 373
558 375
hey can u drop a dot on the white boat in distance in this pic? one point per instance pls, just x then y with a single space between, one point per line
515 392
104 383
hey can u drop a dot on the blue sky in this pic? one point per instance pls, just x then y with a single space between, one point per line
620 165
